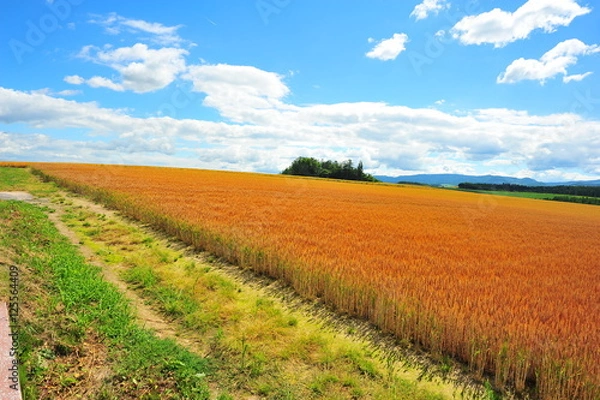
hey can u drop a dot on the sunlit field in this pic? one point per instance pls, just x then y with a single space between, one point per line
510 286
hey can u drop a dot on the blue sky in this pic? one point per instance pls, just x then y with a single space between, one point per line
469 86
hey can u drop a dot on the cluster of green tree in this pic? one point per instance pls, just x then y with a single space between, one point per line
587 191
308 166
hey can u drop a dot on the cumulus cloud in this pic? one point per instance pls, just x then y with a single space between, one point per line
428 7
500 27
388 49
240 93
552 63
17 145
141 69
158 33
266 132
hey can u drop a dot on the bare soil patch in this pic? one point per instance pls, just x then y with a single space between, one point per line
20 196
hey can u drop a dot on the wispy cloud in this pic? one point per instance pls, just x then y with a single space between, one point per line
552 63
576 77
74 79
61 93
158 33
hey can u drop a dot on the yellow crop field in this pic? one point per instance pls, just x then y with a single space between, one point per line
510 286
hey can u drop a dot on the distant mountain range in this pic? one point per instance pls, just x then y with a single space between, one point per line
455 179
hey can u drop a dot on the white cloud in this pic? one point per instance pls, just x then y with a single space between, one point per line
68 92
552 63
49 92
428 7
100 82
74 79
269 132
141 69
500 27
43 91
389 49
576 77
20 147
40 110
163 35
241 93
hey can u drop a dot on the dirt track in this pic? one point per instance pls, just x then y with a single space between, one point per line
22 196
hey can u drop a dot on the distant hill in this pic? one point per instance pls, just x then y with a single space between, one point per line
455 179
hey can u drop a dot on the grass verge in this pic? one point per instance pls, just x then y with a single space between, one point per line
76 331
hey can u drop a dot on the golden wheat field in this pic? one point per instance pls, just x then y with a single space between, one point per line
510 286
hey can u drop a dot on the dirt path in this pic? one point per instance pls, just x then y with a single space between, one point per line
22 196
147 317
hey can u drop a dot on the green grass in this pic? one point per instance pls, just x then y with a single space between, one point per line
71 304
540 196
20 179
528 195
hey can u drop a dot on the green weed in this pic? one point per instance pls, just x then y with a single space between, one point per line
87 304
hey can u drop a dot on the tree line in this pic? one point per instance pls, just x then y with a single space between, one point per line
588 191
571 194
309 166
